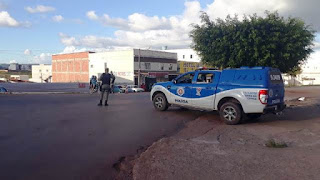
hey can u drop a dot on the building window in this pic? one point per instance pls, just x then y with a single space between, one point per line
147 65
170 67
161 66
191 56
47 70
40 70
183 56
91 65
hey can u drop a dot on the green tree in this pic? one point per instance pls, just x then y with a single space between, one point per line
272 40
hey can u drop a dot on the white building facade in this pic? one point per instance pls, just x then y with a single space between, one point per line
126 65
20 77
310 72
119 62
41 73
188 55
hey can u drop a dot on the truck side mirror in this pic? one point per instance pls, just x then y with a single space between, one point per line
174 81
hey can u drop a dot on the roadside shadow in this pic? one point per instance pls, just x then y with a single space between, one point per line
295 113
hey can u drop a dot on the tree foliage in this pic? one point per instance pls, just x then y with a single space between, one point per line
272 40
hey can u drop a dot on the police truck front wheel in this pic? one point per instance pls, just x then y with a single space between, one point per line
230 113
160 102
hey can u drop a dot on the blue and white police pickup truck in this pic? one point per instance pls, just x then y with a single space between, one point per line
237 94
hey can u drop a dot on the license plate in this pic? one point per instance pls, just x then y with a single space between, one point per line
275 101
274 107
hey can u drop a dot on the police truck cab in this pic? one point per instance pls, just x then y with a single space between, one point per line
236 93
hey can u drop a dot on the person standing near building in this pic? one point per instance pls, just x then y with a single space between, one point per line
105 79
112 84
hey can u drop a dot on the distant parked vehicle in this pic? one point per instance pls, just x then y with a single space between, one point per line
122 89
3 90
116 89
135 88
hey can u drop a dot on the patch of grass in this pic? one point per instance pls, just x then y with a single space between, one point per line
273 144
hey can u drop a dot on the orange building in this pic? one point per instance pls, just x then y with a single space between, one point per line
72 67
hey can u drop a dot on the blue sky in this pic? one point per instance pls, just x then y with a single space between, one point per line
28 33
42 36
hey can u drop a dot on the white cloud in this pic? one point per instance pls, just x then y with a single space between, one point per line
314 59
7 21
108 21
135 22
140 30
141 22
57 18
67 40
221 8
316 46
72 49
43 58
92 15
12 61
114 22
27 52
306 10
39 9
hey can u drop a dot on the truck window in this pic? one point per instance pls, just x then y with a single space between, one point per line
205 78
186 78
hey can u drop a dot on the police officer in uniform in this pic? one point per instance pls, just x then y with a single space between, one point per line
105 79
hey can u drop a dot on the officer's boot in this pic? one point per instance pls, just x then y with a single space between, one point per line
106 103
100 103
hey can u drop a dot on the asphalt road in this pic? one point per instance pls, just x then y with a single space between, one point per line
67 136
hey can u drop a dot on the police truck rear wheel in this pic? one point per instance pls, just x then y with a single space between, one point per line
160 102
230 113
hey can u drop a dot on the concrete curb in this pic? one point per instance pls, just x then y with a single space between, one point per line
17 93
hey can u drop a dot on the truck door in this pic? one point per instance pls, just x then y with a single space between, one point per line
181 90
204 89
276 87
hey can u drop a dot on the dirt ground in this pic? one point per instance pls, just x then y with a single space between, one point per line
208 149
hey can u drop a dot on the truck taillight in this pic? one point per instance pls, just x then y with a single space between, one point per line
263 96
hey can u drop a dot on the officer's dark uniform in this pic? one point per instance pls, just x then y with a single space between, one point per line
105 79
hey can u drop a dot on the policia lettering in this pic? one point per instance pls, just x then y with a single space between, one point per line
181 101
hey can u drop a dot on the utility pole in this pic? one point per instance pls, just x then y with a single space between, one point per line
139 70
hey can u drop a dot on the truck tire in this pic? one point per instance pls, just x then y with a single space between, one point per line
160 102
231 113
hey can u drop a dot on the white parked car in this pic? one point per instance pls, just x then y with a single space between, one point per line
134 88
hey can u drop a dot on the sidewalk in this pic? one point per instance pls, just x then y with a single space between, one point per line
208 149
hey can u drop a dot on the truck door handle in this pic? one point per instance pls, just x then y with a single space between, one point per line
168 87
